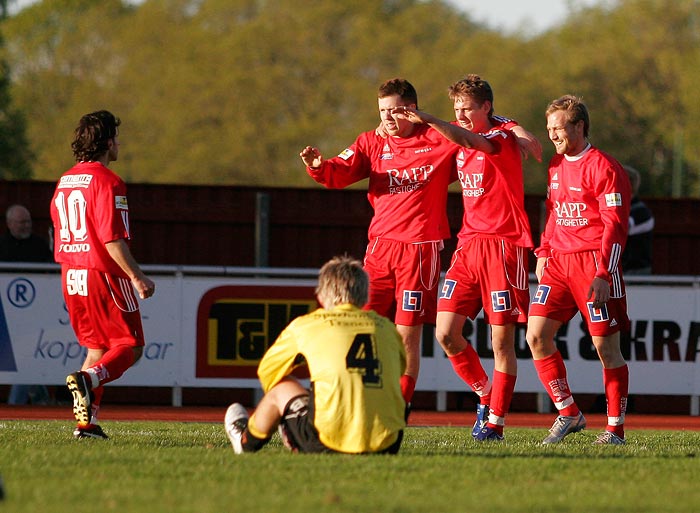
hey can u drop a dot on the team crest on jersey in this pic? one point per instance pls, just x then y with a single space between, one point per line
541 295
614 199
598 314
412 300
448 289
386 153
346 154
554 179
500 300
120 203
460 159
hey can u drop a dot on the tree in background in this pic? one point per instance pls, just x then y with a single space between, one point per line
228 91
15 155
636 65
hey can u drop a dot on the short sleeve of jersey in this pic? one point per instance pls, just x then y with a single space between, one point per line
111 210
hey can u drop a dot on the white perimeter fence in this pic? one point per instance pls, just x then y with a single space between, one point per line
209 326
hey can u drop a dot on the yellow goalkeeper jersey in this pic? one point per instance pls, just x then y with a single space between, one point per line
355 359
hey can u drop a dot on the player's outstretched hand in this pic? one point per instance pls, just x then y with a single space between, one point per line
311 157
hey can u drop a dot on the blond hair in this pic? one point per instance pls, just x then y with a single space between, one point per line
342 280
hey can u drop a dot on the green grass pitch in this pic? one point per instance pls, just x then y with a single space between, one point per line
154 467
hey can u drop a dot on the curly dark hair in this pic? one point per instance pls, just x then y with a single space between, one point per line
92 134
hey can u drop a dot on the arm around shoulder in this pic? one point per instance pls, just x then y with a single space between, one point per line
529 144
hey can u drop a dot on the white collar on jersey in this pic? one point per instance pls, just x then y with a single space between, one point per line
577 157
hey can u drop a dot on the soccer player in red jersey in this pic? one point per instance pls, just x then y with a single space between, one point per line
578 268
90 215
489 267
409 173
409 166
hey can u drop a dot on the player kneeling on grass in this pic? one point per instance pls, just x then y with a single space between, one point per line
355 359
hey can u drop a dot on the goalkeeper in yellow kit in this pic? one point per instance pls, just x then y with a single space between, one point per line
355 360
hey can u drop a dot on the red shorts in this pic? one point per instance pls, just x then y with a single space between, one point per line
403 280
490 274
564 288
103 309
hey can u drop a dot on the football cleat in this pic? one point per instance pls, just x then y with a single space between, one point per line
80 387
235 424
90 431
284 435
482 417
609 438
563 426
488 434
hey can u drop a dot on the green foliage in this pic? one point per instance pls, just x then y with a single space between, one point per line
229 91
631 65
14 150
174 467
15 154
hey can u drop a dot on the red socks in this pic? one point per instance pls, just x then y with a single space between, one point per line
616 383
408 386
97 394
468 367
552 373
112 365
501 397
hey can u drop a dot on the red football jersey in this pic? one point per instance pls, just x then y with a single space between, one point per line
89 209
493 192
588 206
408 181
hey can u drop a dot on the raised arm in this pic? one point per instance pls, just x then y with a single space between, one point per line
454 133
311 157
350 166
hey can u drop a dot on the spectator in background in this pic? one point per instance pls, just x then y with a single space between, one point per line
636 258
19 244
